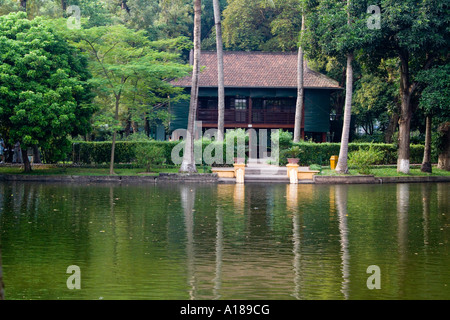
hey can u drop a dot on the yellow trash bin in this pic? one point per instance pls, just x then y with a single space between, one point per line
333 162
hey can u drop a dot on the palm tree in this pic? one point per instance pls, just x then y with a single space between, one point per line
220 76
188 164
342 166
300 87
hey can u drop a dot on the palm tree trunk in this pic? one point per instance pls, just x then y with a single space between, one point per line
342 166
300 88
404 130
188 164
220 75
426 163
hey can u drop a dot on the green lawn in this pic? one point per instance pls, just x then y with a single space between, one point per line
77 171
382 171
385 171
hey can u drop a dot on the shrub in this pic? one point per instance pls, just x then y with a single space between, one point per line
317 153
284 139
148 155
363 159
315 167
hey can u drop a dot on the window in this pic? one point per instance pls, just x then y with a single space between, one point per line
240 104
208 103
280 105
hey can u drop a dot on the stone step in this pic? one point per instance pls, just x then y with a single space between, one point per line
268 172
266 178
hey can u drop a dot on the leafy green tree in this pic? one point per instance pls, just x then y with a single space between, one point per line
417 33
8 6
435 102
127 71
375 100
44 92
337 29
263 25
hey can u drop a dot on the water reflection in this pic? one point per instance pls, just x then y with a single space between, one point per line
2 286
225 241
341 194
187 202
292 206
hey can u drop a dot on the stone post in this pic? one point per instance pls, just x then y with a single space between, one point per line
292 170
239 172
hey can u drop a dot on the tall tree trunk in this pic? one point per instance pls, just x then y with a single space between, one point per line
64 5
124 6
426 163
128 127
36 154
342 166
390 130
113 147
300 88
188 164
444 153
26 161
220 74
147 126
405 118
23 5
134 126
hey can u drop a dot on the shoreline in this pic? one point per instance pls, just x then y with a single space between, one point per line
213 178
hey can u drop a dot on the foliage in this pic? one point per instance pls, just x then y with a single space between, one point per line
373 101
316 167
44 92
435 97
363 159
284 138
148 155
99 152
293 152
262 25
320 153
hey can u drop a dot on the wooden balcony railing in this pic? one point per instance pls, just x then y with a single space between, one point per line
260 116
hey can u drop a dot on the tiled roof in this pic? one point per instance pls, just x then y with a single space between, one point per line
256 70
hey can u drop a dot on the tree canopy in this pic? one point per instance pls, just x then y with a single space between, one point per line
44 89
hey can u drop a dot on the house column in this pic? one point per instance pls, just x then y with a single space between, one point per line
250 105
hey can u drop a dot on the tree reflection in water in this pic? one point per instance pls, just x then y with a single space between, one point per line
341 192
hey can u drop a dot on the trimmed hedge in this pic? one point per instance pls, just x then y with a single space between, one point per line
313 153
320 153
125 152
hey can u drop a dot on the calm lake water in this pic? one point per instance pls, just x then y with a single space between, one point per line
208 241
